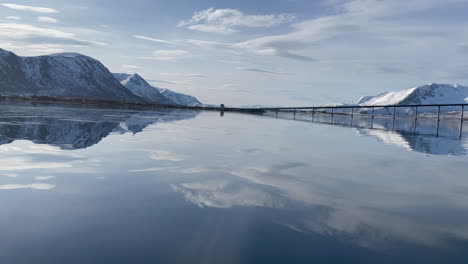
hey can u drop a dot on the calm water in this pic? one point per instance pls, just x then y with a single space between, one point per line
84 185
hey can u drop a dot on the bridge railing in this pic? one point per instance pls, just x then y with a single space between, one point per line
331 110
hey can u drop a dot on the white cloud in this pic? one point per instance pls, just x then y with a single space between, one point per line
212 28
20 164
30 8
168 55
45 48
105 26
131 67
29 34
220 193
228 20
165 155
230 61
158 82
44 178
34 186
13 17
156 40
25 31
11 175
260 70
361 18
196 75
47 19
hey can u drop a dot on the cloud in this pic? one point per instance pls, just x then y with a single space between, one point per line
229 90
254 47
228 21
44 178
105 26
47 19
44 48
25 31
162 81
363 18
165 155
156 40
230 61
13 17
18 164
213 44
196 75
131 67
29 34
155 169
34 186
152 81
212 28
260 70
221 193
30 8
168 55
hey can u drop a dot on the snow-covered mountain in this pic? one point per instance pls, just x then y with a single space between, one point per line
427 94
136 84
63 75
179 98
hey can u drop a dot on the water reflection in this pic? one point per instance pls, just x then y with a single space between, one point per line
76 128
420 143
358 210
421 135
236 189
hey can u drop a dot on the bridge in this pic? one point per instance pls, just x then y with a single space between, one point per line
421 110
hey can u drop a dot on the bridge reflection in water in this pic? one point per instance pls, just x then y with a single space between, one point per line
426 133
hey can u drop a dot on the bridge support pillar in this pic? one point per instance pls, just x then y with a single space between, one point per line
461 120
415 119
221 110
438 120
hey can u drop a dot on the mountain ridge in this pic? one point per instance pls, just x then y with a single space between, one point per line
62 75
433 93
141 87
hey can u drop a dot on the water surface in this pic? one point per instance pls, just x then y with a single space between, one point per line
90 185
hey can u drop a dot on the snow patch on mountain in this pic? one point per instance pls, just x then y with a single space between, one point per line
364 99
136 84
427 94
64 75
179 98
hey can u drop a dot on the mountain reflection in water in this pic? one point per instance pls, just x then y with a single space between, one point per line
76 128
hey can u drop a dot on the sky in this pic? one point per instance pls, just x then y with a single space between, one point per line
262 52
